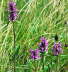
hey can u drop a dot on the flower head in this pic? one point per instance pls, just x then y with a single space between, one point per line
57 48
12 6
43 45
34 54
12 16
12 11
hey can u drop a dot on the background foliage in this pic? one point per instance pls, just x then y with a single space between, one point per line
35 18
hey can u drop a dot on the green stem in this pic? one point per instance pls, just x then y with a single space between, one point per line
14 44
42 59
57 64
51 66
14 35
35 66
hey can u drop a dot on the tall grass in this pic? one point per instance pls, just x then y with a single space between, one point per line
35 18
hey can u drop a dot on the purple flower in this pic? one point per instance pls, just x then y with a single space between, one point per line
12 16
12 11
43 45
34 54
12 6
57 48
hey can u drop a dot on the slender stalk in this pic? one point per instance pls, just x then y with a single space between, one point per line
35 66
14 36
51 66
42 59
58 63
14 44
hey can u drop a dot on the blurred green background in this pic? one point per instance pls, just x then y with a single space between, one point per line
35 18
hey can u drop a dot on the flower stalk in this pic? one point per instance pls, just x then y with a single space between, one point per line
12 17
42 60
43 47
14 45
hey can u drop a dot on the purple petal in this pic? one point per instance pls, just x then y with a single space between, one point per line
57 48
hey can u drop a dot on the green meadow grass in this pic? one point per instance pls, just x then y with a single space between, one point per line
36 18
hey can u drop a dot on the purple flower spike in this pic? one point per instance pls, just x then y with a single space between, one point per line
57 48
12 6
12 16
43 45
34 54
12 11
